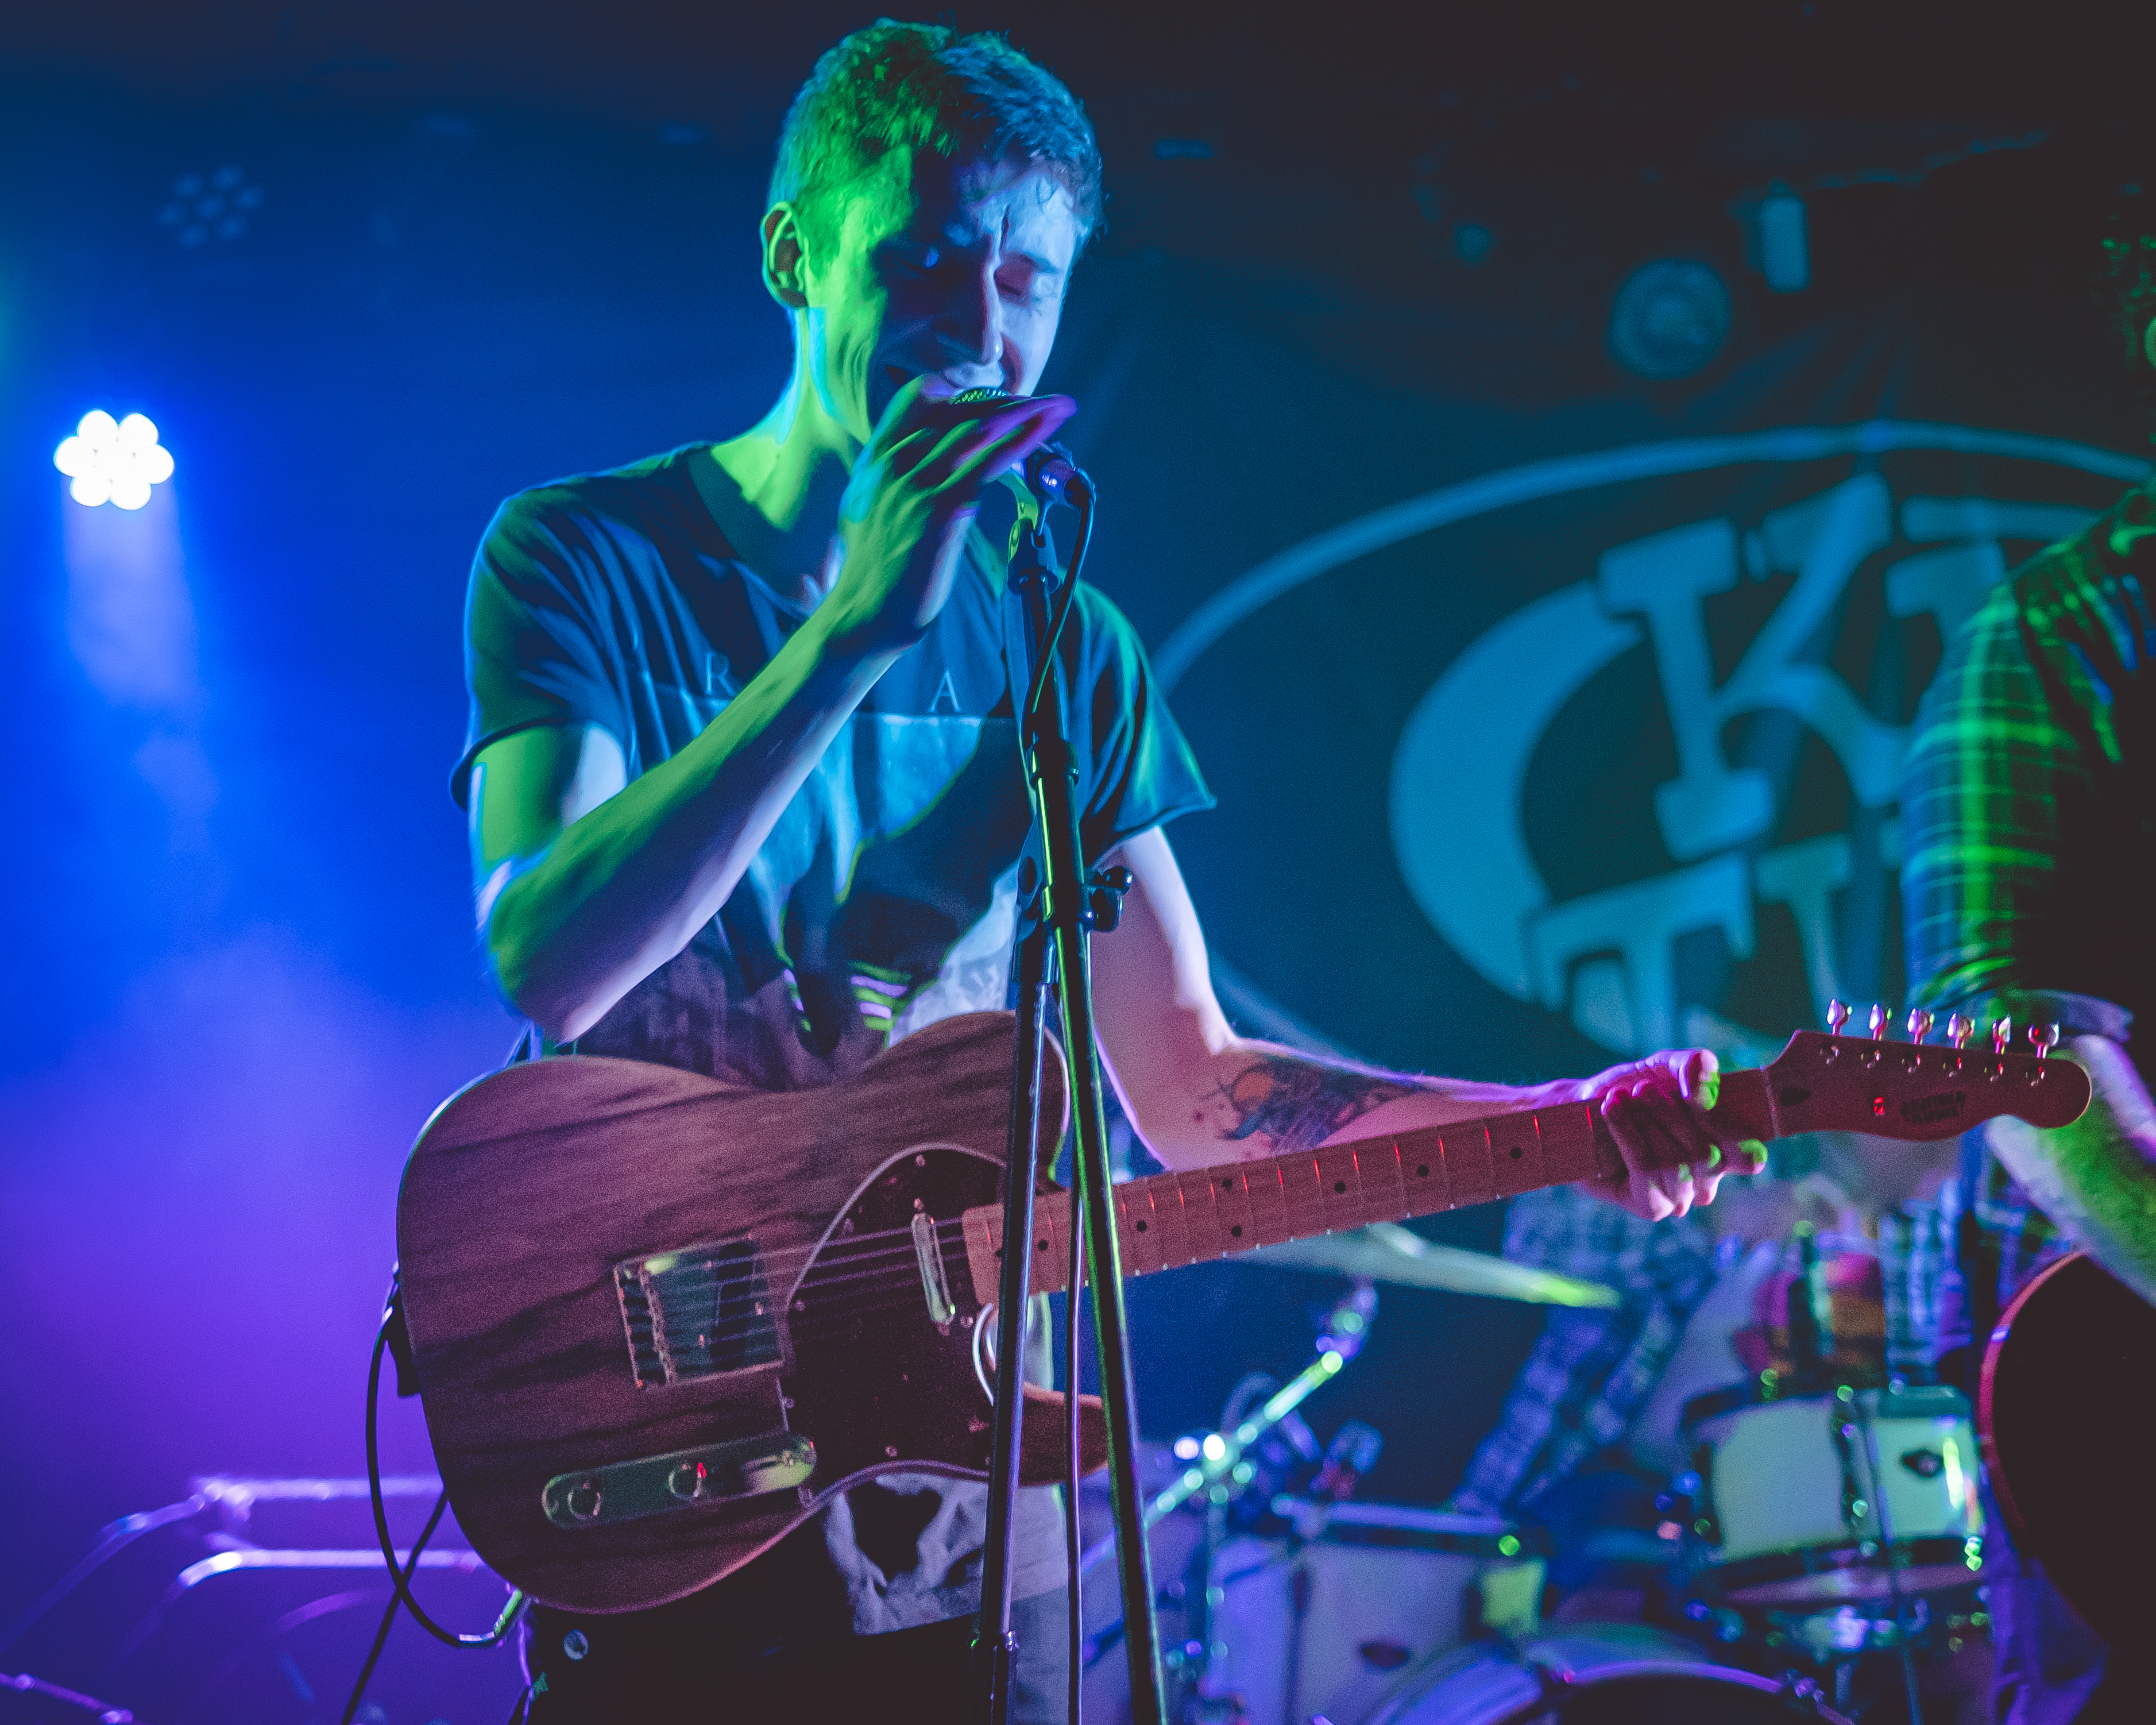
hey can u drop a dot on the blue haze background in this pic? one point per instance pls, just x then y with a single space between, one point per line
238 956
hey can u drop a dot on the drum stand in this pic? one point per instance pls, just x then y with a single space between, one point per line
1893 1561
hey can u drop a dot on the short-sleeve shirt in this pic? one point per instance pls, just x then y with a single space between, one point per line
884 897
2029 816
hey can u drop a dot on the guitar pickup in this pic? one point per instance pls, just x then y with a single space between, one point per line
683 1479
928 1253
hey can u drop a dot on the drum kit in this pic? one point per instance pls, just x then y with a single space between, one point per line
1821 1549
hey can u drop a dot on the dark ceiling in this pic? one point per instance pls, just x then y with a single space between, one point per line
1353 75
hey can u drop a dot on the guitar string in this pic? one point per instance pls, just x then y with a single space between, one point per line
896 1271
895 1266
889 1265
1313 1205
843 1253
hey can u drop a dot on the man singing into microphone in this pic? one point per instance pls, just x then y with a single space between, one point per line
745 799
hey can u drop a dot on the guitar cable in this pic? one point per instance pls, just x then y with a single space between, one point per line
400 1575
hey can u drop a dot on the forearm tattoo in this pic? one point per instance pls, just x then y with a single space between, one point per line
1298 1104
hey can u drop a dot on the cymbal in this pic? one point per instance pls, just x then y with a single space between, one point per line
1385 1251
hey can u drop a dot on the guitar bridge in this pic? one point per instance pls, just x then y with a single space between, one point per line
698 1312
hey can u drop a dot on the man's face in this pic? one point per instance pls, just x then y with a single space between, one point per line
933 267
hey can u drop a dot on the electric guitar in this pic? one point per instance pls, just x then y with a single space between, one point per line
2064 1415
659 1320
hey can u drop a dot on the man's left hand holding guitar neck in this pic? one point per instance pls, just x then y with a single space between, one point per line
1199 1094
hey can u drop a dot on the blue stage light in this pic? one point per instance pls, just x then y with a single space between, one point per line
113 461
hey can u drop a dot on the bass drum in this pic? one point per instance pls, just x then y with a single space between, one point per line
1620 1675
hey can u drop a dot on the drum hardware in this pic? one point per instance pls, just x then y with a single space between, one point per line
1219 1467
1843 1527
1890 1548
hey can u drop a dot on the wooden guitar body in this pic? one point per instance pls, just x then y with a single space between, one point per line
2067 1418
659 1321
530 1192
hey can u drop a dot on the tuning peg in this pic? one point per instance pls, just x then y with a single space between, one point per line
1920 1023
2002 1034
1837 1015
1877 1019
1959 1029
2045 1037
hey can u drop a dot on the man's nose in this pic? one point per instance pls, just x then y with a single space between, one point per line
974 329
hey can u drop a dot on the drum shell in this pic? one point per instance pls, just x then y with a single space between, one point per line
1385 1587
1784 1479
1596 1673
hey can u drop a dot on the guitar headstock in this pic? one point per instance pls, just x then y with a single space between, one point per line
1825 1081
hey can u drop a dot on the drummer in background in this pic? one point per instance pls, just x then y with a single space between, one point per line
1590 1430
2028 824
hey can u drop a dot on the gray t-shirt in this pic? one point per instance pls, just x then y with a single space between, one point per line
884 898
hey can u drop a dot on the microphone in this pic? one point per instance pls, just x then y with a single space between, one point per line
1049 472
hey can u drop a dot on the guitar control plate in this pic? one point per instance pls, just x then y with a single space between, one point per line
681 1480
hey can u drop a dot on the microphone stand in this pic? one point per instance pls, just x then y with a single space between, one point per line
1054 923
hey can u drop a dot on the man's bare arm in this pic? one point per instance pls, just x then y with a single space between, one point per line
587 883
2096 1179
1199 1093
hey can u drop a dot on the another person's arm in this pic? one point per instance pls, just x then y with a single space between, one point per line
2096 1179
1199 1093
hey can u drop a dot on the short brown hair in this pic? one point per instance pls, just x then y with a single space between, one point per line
926 86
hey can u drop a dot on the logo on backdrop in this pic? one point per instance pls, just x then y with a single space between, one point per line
1610 956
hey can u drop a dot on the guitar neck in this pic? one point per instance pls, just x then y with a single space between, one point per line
1197 1215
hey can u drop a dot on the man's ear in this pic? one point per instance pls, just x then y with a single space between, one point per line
785 258
2149 342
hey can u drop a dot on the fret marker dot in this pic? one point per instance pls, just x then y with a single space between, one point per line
1041 1247
1141 1227
1236 1231
1339 1185
1515 1153
1422 1171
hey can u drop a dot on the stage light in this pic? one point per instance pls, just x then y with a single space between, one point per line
113 461
204 205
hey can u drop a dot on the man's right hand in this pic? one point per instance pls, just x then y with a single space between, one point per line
915 491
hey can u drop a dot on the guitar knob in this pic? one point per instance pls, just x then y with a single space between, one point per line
1920 1023
2002 1033
1837 1015
1877 1019
2045 1037
1959 1029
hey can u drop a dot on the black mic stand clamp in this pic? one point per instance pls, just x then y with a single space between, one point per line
1062 903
